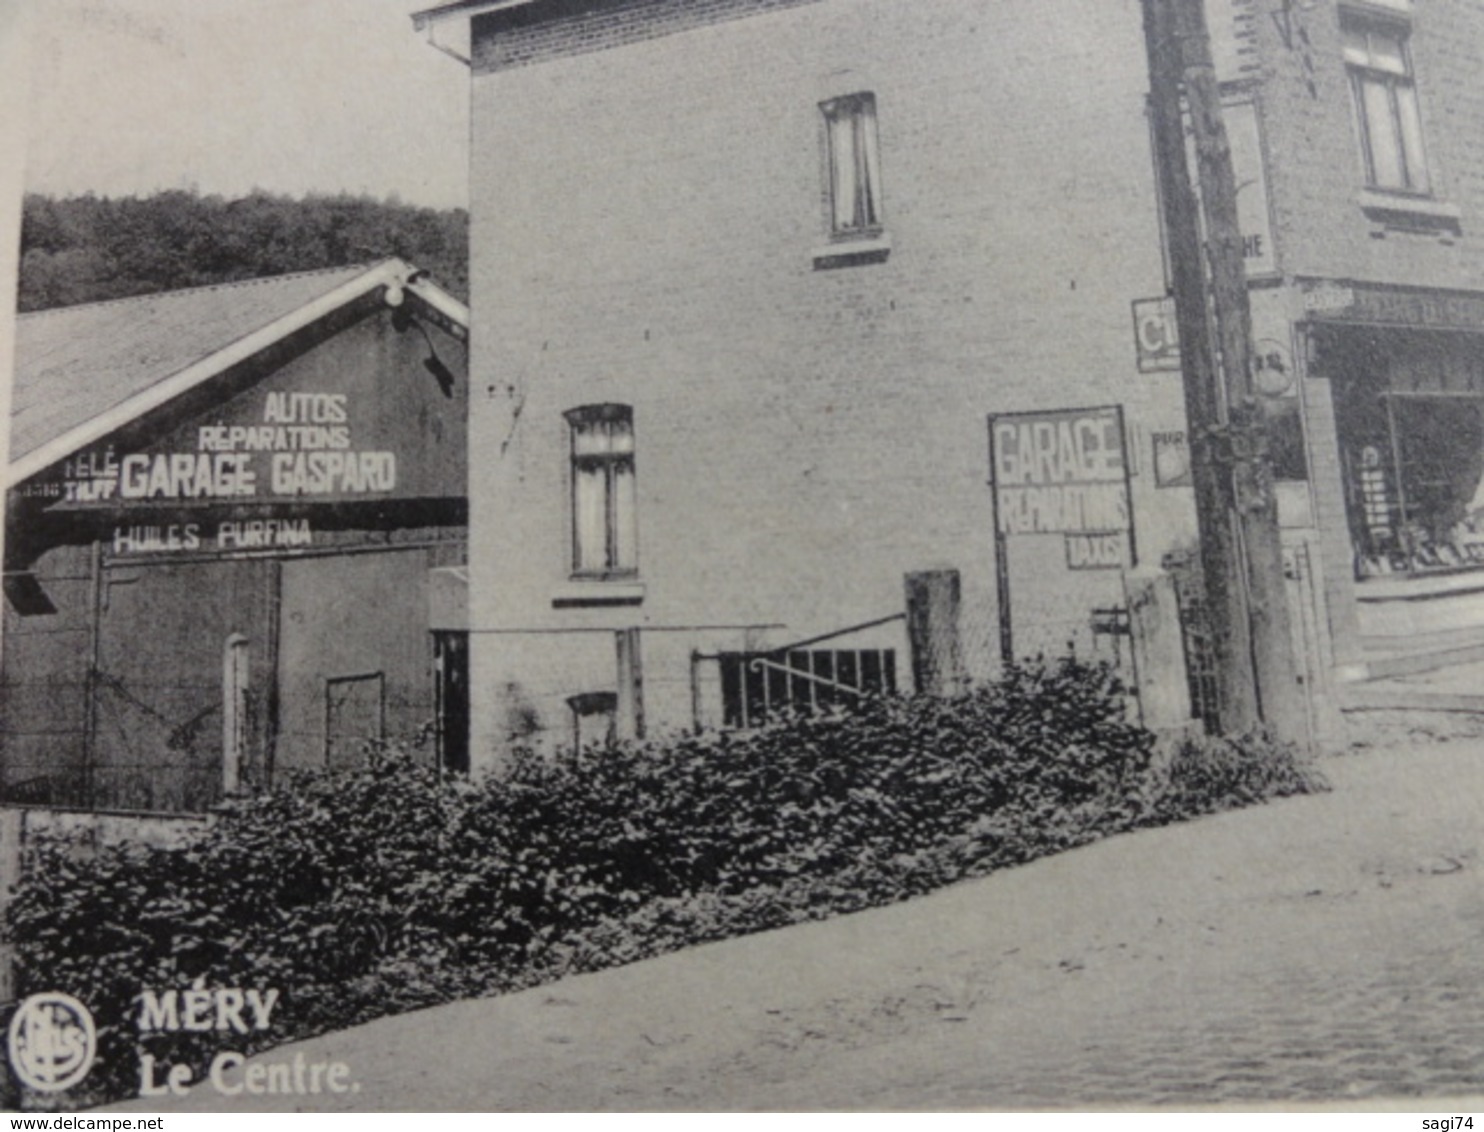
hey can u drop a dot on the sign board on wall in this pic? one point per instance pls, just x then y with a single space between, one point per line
1233 31
1060 472
296 446
1254 215
1254 211
1171 459
1107 550
1156 334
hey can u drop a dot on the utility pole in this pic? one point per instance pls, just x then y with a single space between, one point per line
1241 555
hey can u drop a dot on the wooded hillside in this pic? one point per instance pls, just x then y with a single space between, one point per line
89 248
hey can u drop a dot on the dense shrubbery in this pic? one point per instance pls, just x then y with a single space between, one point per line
1209 773
372 892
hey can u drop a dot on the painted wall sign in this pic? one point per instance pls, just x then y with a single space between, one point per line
1327 297
1171 459
247 534
1156 334
304 446
1394 306
1060 472
1106 550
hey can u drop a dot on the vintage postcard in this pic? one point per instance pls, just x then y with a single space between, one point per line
808 555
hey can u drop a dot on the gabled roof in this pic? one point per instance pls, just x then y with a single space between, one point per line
82 371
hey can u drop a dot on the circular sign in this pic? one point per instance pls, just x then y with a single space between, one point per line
1272 367
52 1042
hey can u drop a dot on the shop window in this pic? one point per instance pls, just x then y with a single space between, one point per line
1413 471
854 165
1378 61
604 522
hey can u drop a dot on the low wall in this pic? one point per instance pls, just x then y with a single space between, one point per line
20 826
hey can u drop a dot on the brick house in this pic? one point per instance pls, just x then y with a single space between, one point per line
766 293
234 515
1373 123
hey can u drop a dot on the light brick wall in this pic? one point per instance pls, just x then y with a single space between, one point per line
1315 159
642 226
1316 176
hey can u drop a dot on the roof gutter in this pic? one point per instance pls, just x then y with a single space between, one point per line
425 19
390 273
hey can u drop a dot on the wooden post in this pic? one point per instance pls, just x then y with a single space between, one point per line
12 857
1280 703
1205 408
932 632
630 715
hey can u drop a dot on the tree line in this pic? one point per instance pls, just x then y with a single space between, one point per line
89 248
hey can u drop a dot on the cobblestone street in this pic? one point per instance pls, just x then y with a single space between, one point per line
1323 949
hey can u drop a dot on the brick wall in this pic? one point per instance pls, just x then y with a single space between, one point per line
1317 177
643 221
1315 159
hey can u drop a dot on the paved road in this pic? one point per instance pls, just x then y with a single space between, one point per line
1320 949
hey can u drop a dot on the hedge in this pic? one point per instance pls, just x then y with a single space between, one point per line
370 892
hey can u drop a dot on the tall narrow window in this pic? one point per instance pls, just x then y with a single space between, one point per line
1379 63
604 525
855 165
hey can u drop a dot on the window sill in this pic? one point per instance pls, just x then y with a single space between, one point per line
850 251
598 594
1409 211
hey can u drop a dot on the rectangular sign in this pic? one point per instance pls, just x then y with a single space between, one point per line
1171 459
1254 212
1103 550
1059 472
298 445
1254 216
1232 25
1156 334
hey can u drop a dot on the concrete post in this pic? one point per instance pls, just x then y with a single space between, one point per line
1158 650
629 723
932 631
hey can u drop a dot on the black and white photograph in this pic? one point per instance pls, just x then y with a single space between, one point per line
806 556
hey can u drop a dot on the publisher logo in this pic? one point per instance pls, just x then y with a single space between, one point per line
52 1042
